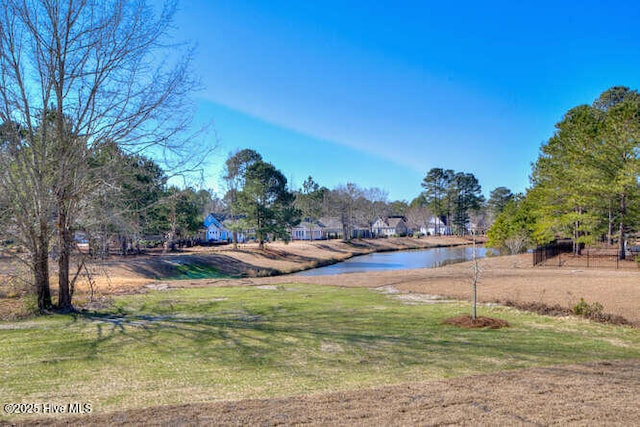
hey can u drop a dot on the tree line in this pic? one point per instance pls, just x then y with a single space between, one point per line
258 198
585 184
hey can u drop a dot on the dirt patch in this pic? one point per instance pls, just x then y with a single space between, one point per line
586 394
411 298
479 322
267 287
422 299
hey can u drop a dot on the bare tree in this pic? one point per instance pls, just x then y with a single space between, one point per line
375 206
74 75
516 243
474 282
26 203
343 201
310 200
418 217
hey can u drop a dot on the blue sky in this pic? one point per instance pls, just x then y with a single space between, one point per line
378 93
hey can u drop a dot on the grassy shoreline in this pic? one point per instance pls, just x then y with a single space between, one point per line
292 259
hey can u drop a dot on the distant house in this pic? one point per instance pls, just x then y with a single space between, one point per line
434 227
215 231
391 226
309 230
361 231
242 236
328 228
332 227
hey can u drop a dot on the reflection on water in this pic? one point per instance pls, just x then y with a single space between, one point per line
451 261
403 260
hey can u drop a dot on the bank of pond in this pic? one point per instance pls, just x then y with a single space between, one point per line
402 260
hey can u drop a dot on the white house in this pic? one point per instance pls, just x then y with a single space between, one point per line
216 232
391 226
308 230
434 226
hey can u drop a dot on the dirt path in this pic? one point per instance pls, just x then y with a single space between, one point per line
591 394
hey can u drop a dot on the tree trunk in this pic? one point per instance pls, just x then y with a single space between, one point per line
64 246
577 247
41 274
621 248
610 229
234 236
621 245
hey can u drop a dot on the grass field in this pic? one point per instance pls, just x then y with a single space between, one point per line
207 344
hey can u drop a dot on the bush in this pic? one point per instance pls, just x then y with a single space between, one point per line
585 309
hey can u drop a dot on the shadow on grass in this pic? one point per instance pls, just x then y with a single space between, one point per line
272 339
330 248
210 266
214 266
271 253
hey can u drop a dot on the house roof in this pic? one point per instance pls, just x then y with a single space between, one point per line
394 222
212 219
306 224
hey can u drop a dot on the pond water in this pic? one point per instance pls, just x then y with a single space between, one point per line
402 260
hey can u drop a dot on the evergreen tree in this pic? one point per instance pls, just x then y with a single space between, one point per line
310 201
586 178
266 202
437 184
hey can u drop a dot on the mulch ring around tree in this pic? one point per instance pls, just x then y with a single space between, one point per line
466 321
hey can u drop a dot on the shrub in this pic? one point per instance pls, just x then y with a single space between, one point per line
585 309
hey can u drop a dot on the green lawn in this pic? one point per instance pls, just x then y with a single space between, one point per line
191 345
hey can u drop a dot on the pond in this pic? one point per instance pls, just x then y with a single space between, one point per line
401 260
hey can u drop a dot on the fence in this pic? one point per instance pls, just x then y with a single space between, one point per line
560 254
544 253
